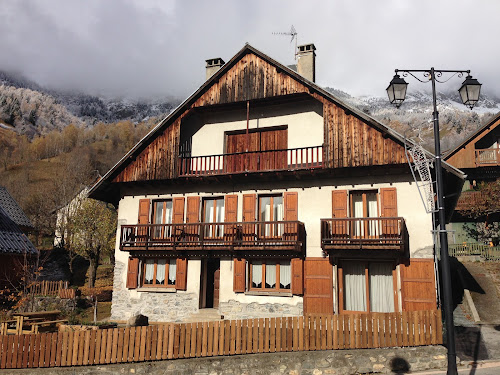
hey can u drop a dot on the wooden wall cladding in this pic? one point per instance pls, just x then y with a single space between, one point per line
349 141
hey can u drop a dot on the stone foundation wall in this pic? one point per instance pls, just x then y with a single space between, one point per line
338 362
158 307
238 310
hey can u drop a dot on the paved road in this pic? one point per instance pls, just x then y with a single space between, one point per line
492 368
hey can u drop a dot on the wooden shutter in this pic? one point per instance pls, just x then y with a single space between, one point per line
418 287
239 268
339 211
132 272
318 286
249 207
297 276
143 211
231 208
389 208
192 209
181 274
178 210
291 201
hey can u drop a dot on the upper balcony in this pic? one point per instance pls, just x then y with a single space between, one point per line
487 157
252 161
258 235
365 233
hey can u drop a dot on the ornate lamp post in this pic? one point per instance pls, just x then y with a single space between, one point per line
469 93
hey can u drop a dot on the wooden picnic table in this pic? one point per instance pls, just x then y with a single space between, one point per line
39 314
32 321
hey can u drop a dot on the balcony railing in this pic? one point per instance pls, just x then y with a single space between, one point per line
469 199
252 161
488 156
363 233
258 235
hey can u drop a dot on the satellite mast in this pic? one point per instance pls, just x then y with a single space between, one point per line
293 34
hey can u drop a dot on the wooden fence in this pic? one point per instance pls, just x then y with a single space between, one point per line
475 249
215 338
48 288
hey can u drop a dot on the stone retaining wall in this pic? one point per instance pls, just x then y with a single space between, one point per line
338 362
238 310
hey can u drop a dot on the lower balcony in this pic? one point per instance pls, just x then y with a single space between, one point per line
366 233
258 235
488 156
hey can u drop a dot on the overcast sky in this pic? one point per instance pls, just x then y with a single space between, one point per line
158 48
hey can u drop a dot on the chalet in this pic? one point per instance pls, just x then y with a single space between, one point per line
263 194
479 157
15 247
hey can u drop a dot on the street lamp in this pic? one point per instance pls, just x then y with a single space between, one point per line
469 93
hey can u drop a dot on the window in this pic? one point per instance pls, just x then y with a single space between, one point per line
271 209
366 286
214 213
364 205
159 272
270 276
162 214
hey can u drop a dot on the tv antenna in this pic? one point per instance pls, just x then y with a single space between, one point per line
293 34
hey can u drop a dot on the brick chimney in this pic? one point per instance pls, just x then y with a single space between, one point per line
213 65
306 64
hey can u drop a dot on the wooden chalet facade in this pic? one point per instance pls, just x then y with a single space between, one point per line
479 158
263 194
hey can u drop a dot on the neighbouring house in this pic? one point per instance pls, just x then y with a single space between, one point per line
263 195
478 157
16 250
64 215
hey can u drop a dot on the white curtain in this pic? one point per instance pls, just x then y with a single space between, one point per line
372 212
172 270
270 275
285 275
220 217
358 212
150 269
158 219
278 215
381 287
354 286
168 219
160 272
257 274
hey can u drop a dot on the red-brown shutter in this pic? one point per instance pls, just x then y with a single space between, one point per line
389 208
239 268
132 272
231 208
144 211
291 201
339 211
318 286
193 209
297 276
178 210
181 274
418 287
249 207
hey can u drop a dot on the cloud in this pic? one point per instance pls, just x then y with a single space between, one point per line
157 48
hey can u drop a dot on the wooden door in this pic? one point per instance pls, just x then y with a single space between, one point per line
418 287
272 140
237 159
318 286
216 288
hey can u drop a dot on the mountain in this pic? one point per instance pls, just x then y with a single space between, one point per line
414 118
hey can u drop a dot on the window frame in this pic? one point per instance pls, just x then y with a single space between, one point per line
273 228
366 263
155 263
163 232
364 225
216 228
263 289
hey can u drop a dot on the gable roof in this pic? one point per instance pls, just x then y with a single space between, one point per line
12 209
185 105
479 133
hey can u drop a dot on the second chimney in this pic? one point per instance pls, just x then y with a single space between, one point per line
306 64
213 65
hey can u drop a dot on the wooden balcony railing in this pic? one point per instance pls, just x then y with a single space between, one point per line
252 161
488 156
469 199
258 235
363 233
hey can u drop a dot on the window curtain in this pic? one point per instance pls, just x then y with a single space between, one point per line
357 200
220 217
168 219
278 214
285 275
354 286
270 275
172 270
372 212
160 272
150 269
381 287
158 219
257 274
